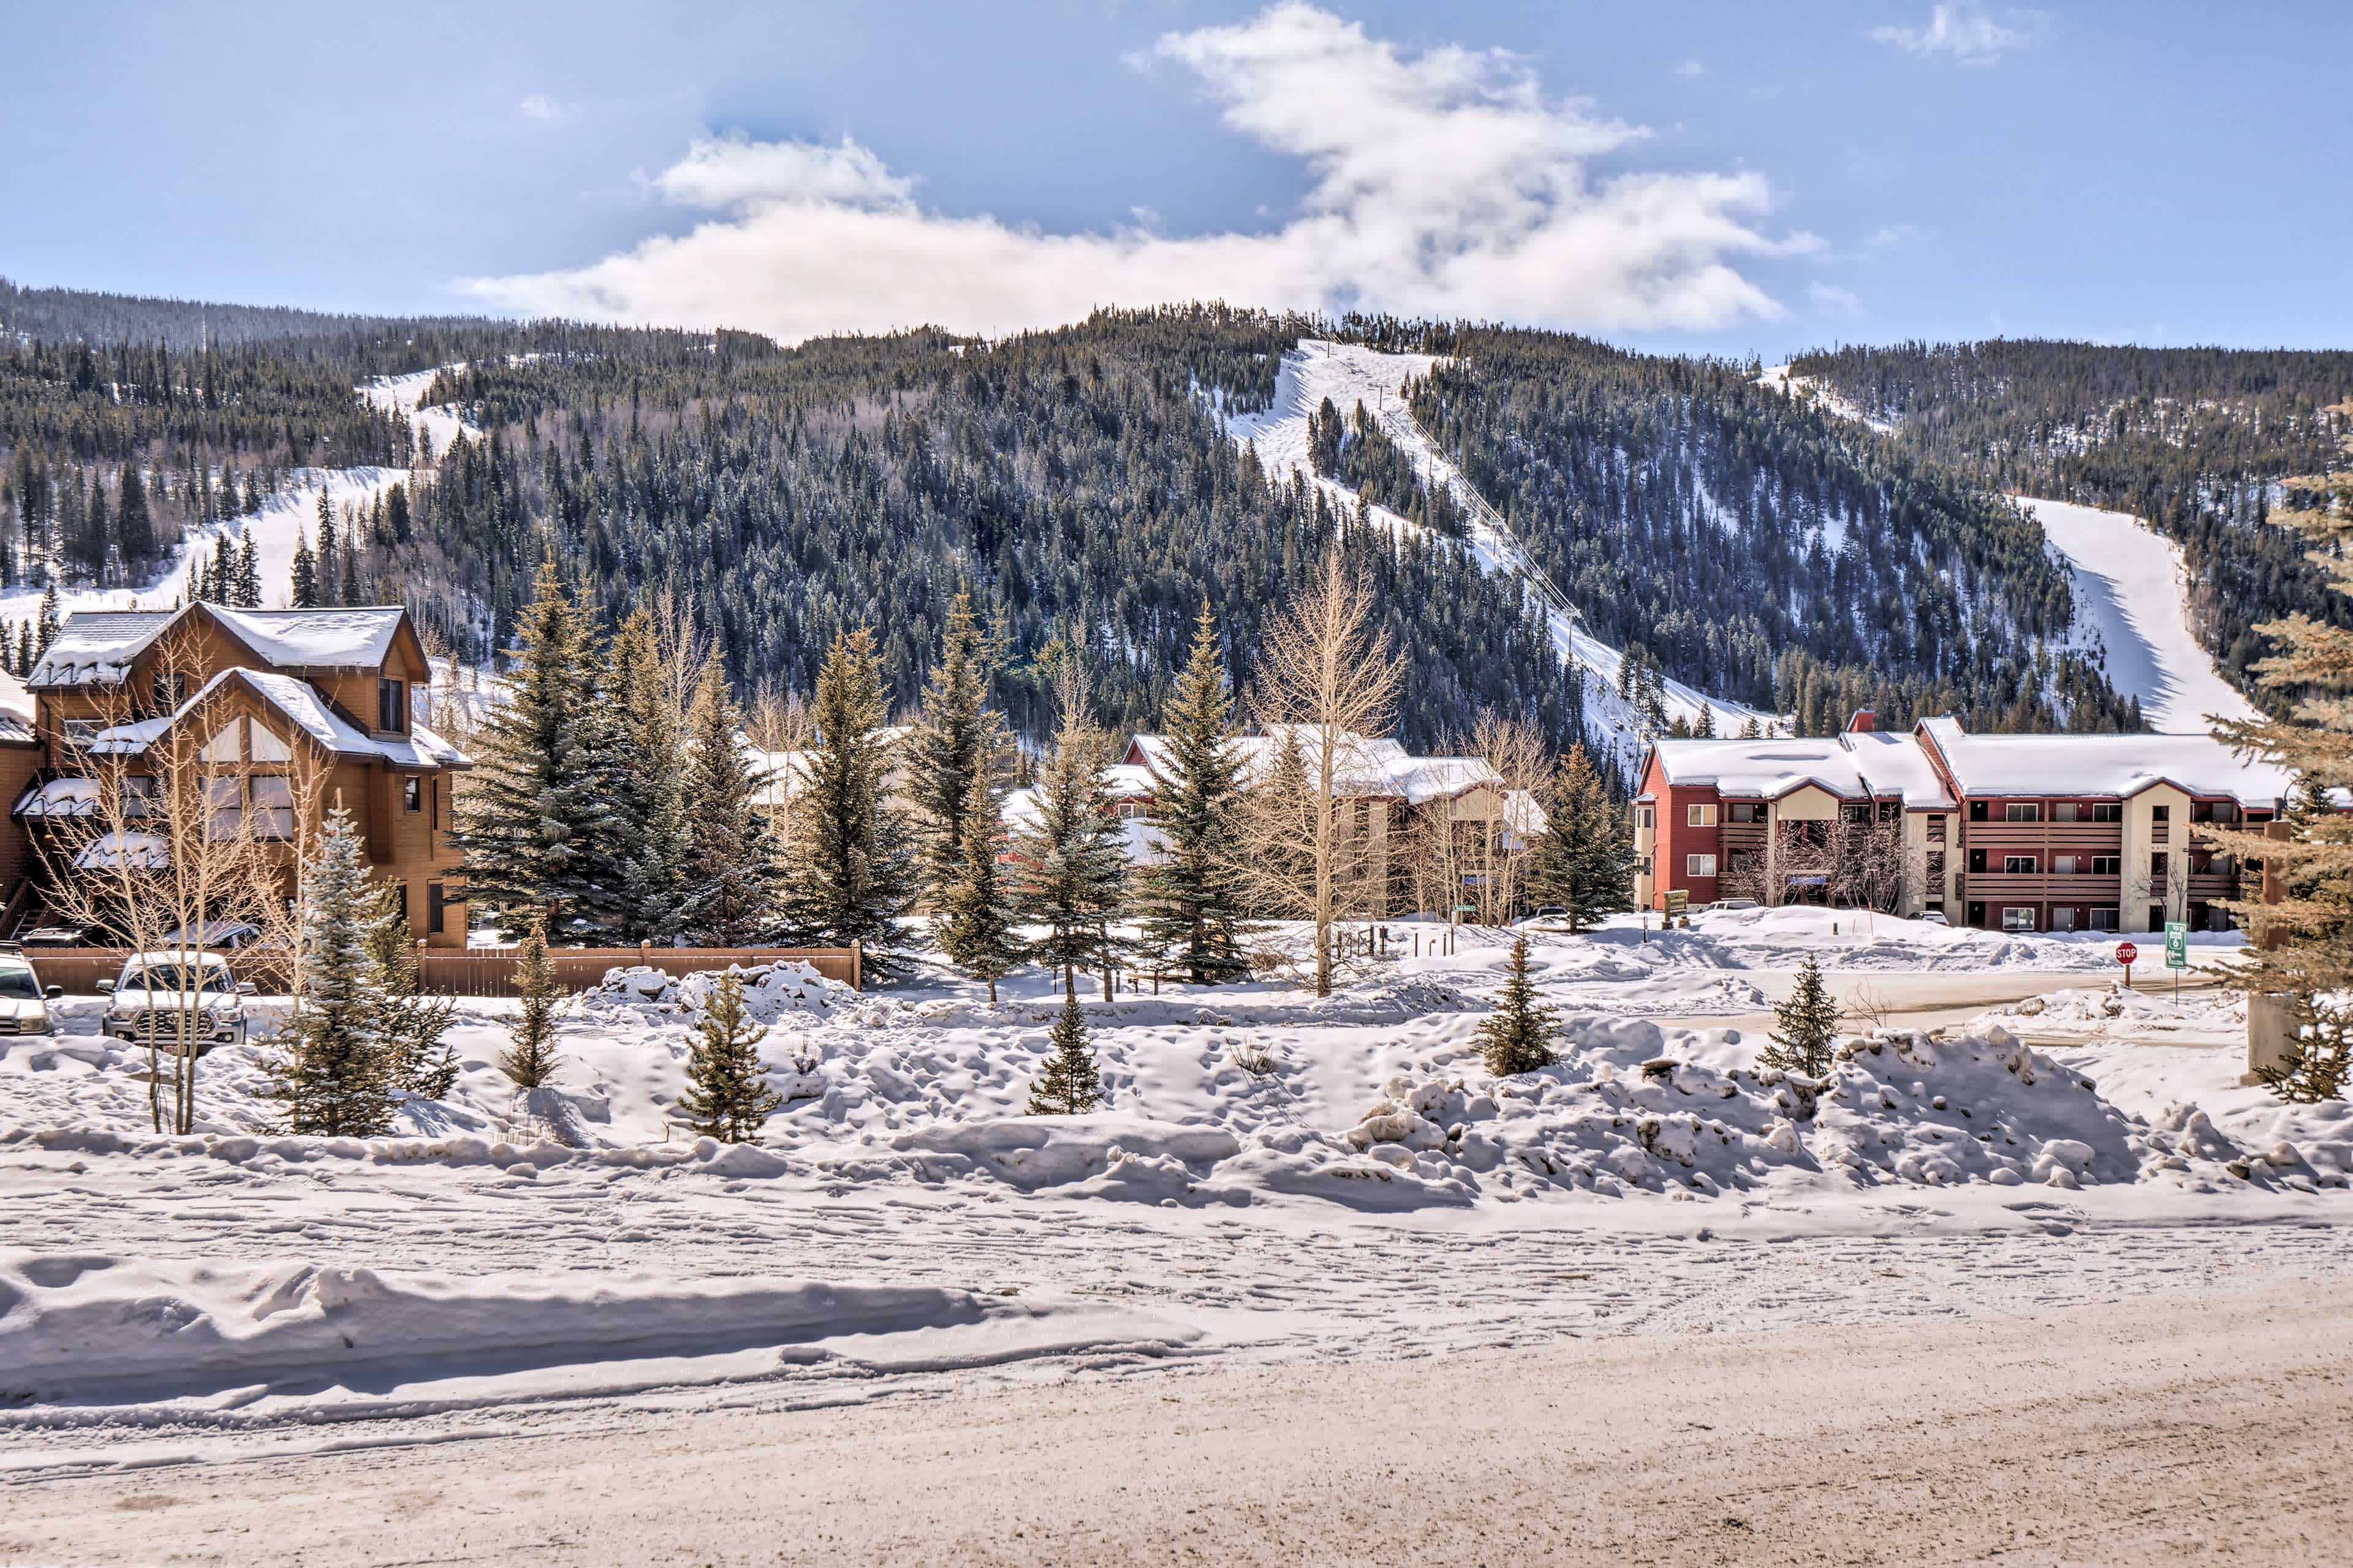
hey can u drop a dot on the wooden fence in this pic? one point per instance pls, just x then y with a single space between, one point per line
473 970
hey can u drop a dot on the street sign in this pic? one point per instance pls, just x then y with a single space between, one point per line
2177 944
2125 953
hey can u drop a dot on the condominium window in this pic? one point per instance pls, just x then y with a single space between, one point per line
2017 917
2064 811
2158 863
434 902
2018 865
2062 918
1855 816
2160 814
1936 830
412 793
1699 865
2103 918
2022 811
392 705
1699 816
2062 865
2107 865
1646 817
2107 811
1936 867
1745 811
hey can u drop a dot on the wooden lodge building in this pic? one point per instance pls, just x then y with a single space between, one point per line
278 696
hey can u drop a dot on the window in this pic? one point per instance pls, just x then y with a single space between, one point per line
1977 859
82 732
225 805
2224 811
2107 811
1699 865
392 705
1644 866
2016 917
1699 816
1646 817
2018 865
2160 814
1745 811
136 790
433 908
2104 917
2063 811
1890 810
1936 867
1746 861
226 744
2159 863
400 902
1936 830
2022 811
2062 918
1855 816
1977 811
2062 865
272 796
2107 865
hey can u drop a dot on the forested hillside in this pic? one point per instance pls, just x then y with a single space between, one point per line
2187 438
1083 484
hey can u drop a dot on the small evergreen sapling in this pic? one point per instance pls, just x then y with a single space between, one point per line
727 1094
977 917
1068 1086
1516 1038
335 1075
530 1062
1804 1027
411 1020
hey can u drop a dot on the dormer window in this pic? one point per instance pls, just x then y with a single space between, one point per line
392 706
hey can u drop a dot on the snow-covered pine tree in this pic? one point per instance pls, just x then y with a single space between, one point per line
410 1021
957 737
304 588
1072 854
648 785
1516 1037
1191 901
851 876
977 918
1067 1085
1804 1027
535 820
349 593
729 877
2303 944
48 623
331 568
530 1060
727 1094
246 583
334 1071
1584 859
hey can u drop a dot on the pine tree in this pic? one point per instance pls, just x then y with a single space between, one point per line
1584 859
958 736
535 820
97 531
1191 900
649 783
530 1060
1072 854
245 583
350 593
134 525
852 877
335 1072
330 575
1068 1084
1804 1027
2302 944
304 588
48 626
979 919
729 871
1516 1038
727 1094
410 1021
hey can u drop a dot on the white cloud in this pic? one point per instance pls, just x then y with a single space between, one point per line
1690 68
1965 34
1443 184
540 107
1893 235
1828 300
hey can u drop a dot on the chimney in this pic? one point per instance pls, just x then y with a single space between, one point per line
1863 721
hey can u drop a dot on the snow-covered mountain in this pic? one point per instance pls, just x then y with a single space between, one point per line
1349 374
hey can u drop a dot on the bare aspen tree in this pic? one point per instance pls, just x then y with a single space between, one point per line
1327 682
181 828
1522 764
778 725
685 647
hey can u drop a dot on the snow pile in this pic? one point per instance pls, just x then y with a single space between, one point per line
93 1329
771 991
2115 1010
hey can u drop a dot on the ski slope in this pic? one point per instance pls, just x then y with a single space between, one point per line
2132 593
1349 373
400 394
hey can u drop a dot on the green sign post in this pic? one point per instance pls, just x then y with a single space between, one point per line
2177 951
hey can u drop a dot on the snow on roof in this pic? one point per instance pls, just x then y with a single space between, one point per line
15 708
96 647
1377 767
354 638
2103 765
1767 769
112 850
70 796
1894 764
307 708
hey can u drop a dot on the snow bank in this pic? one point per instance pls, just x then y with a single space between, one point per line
89 1328
771 991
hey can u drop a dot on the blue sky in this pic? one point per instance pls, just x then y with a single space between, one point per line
1713 176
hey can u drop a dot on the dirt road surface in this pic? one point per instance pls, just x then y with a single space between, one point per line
2195 1428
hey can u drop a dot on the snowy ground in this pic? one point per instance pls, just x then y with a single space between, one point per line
1274 1178
402 394
1350 373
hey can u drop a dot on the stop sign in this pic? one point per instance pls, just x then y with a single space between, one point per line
2126 952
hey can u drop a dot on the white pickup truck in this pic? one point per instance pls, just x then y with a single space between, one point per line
181 1002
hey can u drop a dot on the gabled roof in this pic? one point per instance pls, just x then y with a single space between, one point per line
1763 768
1895 765
1368 768
2119 765
301 704
97 647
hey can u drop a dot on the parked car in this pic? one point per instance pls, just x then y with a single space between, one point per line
24 1000
156 990
62 936
225 936
1734 904
1934 918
